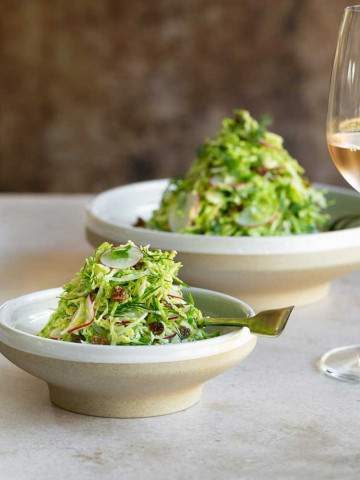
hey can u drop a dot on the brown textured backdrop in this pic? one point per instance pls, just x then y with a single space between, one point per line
99 93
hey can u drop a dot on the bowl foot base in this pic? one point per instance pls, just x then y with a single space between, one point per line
116 406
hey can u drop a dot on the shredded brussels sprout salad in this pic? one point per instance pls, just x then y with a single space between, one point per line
243 182
126 295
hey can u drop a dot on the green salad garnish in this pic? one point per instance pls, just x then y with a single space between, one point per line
126 295
243 182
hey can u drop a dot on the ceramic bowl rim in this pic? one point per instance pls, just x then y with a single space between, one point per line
213 244
86 353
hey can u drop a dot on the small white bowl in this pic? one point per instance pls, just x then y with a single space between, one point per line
121 381
265 271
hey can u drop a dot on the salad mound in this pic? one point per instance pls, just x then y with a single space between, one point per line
243 182
126 295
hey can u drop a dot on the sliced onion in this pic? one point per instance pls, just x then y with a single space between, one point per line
175 291
169 337
121 257
55 334
83 317
176 295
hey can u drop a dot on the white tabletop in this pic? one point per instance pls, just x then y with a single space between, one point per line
273 417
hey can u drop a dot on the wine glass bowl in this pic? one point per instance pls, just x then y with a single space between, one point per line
344 148
343 138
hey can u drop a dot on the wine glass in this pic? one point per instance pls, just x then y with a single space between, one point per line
343 138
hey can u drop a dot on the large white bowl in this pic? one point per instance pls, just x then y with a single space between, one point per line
121 381
264 271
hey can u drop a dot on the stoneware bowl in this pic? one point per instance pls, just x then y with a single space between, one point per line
264 271
121 381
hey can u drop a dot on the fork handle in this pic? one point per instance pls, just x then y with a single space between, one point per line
228 322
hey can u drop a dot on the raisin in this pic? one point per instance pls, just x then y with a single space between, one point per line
184 331
119 294
262 170
157 328
140 222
